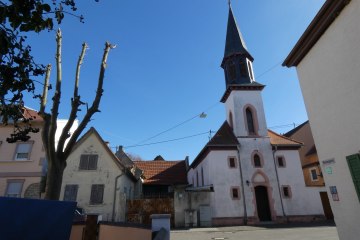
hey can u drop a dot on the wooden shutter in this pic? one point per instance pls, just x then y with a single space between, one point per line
70 193
84 161
354 166
93 162
97 194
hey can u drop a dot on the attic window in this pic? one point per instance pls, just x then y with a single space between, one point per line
88 162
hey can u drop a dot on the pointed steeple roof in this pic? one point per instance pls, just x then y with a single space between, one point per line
235 43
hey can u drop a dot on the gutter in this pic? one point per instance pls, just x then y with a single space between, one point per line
115 189
278 184
242 186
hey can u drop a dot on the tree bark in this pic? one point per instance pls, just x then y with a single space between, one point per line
54 179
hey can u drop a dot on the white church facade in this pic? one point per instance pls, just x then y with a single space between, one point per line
255 174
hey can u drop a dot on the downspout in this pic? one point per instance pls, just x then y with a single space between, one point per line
115 188
278 183
242 186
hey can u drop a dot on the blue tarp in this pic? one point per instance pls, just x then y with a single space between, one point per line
34 219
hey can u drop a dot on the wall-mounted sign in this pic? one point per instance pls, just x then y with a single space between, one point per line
329 161
334 193
328 170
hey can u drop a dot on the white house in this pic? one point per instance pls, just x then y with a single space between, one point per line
255 174
97 180
326 58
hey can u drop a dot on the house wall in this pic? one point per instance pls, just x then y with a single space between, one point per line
329 80
291 175
107 171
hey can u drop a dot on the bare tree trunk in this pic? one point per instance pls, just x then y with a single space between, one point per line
54 179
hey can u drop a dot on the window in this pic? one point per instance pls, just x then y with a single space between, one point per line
97 193
88 162
250 71
23 151
202 176
313 174
286 191
231 120
250 121
257 161
242 69
70 192
232 71
232 162
14 188
235 193
197 178
281 161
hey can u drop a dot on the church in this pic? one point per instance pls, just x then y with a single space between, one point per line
253 174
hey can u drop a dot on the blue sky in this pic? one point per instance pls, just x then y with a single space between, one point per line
166 70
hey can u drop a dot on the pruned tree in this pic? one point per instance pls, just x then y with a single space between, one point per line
18 68
57 155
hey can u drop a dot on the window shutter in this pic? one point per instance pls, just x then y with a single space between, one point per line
354 166
97 194
93 162
70 193
83 162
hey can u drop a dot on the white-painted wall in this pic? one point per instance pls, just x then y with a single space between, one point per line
304 200
107 171
329 79
236 103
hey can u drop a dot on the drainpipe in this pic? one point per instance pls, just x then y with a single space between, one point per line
278 183
115 188
242 186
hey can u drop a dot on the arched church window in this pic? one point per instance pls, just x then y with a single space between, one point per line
250 121
232 71
250 71
257 161
231 123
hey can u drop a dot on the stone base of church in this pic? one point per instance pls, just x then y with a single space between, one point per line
238 221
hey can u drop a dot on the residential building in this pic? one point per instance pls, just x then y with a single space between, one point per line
326 58
22 164
97 180
313 175
255 173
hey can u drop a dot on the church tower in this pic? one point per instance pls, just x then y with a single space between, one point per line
242 97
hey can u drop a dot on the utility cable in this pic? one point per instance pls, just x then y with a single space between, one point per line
170 140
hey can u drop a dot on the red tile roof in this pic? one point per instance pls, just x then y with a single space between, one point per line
279 140
160 172
30 113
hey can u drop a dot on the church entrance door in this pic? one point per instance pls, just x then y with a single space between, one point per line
262 203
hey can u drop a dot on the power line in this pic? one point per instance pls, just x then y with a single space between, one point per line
270 69
202 115
170 140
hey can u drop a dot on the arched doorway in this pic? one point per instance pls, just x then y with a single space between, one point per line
262 203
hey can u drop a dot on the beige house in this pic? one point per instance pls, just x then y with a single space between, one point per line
313 175
97 180
326 58
21 163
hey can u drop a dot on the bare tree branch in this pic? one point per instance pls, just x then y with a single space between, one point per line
45 90
95 105
75 102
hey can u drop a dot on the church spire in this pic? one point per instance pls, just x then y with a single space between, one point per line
237 61
235 43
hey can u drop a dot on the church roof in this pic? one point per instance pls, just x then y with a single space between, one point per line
224 139
235 43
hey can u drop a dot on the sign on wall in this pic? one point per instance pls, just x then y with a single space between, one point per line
334 193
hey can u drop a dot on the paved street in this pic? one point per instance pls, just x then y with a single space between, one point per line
290 232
